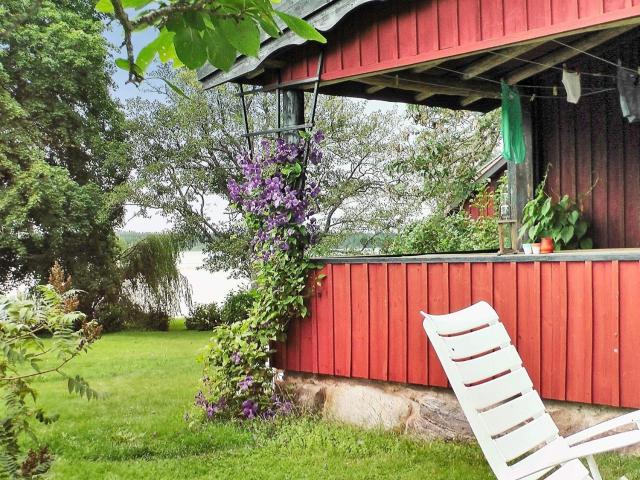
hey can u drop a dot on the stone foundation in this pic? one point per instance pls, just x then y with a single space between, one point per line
427 413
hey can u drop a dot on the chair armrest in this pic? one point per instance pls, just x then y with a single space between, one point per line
599 429
555 458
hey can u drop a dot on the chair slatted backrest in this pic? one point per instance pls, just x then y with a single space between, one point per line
486 373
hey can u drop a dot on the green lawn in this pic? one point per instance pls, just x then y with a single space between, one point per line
138 431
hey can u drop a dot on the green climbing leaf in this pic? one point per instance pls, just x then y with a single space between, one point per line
104 6
244 34
190 47
220 52
301 27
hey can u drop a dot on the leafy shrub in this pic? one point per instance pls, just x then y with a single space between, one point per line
113 317
443 233
203 317
154 320
237 306
25 357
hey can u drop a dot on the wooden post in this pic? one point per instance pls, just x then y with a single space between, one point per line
521 178
292 112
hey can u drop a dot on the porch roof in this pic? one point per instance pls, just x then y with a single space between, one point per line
445 56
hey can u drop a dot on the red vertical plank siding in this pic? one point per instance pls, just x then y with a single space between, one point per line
579 331
459 286
615 163
589 8
631 177
610 5
342 319
505 287
388 37
306 334
293 346
398 323
378 322
417 367
492 19
360 321
554 330
350 49
529 318
427 19
438 293
539 13
369 44
564 10
515 16
470 29
324 322
482 282
407 29
606 388
447 23
629 334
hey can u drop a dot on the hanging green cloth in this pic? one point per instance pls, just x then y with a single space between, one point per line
513 148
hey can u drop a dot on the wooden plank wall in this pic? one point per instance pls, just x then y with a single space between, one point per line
593 153
575 324
400 33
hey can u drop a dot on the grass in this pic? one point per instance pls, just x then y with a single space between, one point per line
138 431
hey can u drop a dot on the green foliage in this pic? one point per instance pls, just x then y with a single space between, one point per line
25 357
193 33
562 221
62 146
203 317
237 306
448 149
150 274
447 233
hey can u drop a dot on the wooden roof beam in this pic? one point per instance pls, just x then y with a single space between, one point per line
429 86
374 89
427 66
563 54
490 62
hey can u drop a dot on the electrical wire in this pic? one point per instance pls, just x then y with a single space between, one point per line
596 57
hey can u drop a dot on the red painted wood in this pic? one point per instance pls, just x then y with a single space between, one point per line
417 367
528 319
447 23
438 304
360 321
342 319
324 305
579 332
629 334
378 322
575 323
307 351
606 388
399 34
398 323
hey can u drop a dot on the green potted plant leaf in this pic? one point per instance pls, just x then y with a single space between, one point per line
557 225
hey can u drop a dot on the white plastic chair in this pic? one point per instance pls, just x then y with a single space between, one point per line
517 435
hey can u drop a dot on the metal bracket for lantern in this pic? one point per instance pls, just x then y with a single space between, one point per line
278 87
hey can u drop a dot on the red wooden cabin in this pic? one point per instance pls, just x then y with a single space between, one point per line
574 315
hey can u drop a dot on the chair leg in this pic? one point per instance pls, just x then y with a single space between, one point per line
593 467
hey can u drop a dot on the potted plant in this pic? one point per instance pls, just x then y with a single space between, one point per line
555 225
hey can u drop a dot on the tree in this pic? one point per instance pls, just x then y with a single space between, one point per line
187 147
447 149
63 148
193 32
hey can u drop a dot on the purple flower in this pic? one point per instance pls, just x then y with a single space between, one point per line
246 383
318 137
236 357
249 409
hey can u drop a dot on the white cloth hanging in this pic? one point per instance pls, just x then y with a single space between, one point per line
571 82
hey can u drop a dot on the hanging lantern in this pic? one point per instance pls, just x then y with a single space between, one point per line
507 227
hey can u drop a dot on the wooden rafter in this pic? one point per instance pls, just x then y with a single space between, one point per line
427 86
374 89
490 62
563 54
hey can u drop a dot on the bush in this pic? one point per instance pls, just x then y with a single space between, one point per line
237 306
203 317
444 233
154 320
112 317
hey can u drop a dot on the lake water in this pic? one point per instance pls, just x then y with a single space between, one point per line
206 286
